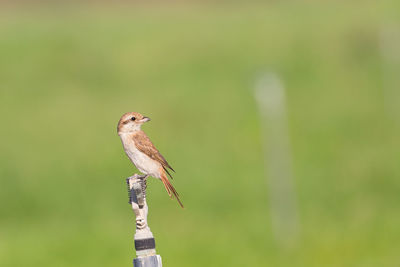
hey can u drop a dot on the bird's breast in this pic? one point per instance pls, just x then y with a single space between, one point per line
144 163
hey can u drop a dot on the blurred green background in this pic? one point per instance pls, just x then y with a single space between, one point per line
69 71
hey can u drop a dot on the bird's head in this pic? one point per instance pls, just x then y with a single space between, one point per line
131 122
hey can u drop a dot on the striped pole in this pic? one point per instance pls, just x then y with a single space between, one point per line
144 240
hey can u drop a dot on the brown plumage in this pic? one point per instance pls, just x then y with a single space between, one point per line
169 187
144 145
142 152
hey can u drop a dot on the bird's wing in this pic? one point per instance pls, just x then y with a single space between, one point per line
144 145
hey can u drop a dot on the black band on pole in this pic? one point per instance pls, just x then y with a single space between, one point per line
142 244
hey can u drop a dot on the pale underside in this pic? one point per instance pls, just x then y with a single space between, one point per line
143 163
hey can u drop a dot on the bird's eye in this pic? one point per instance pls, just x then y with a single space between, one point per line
133 118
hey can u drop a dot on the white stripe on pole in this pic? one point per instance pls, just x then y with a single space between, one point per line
270 96
390 51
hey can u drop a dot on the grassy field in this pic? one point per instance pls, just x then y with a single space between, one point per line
68 74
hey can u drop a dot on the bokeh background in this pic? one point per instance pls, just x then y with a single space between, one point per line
68 71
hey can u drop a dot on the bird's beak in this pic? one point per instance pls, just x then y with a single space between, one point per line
145 119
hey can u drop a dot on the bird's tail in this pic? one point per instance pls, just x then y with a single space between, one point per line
169 187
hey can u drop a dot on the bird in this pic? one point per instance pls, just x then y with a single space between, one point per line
141 151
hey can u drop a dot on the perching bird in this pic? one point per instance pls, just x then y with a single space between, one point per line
142 152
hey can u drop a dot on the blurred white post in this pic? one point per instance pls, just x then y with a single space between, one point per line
270 96
390 51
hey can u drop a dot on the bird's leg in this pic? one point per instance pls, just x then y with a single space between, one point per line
143 179
144 185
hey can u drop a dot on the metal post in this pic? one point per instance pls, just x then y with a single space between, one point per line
144 240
